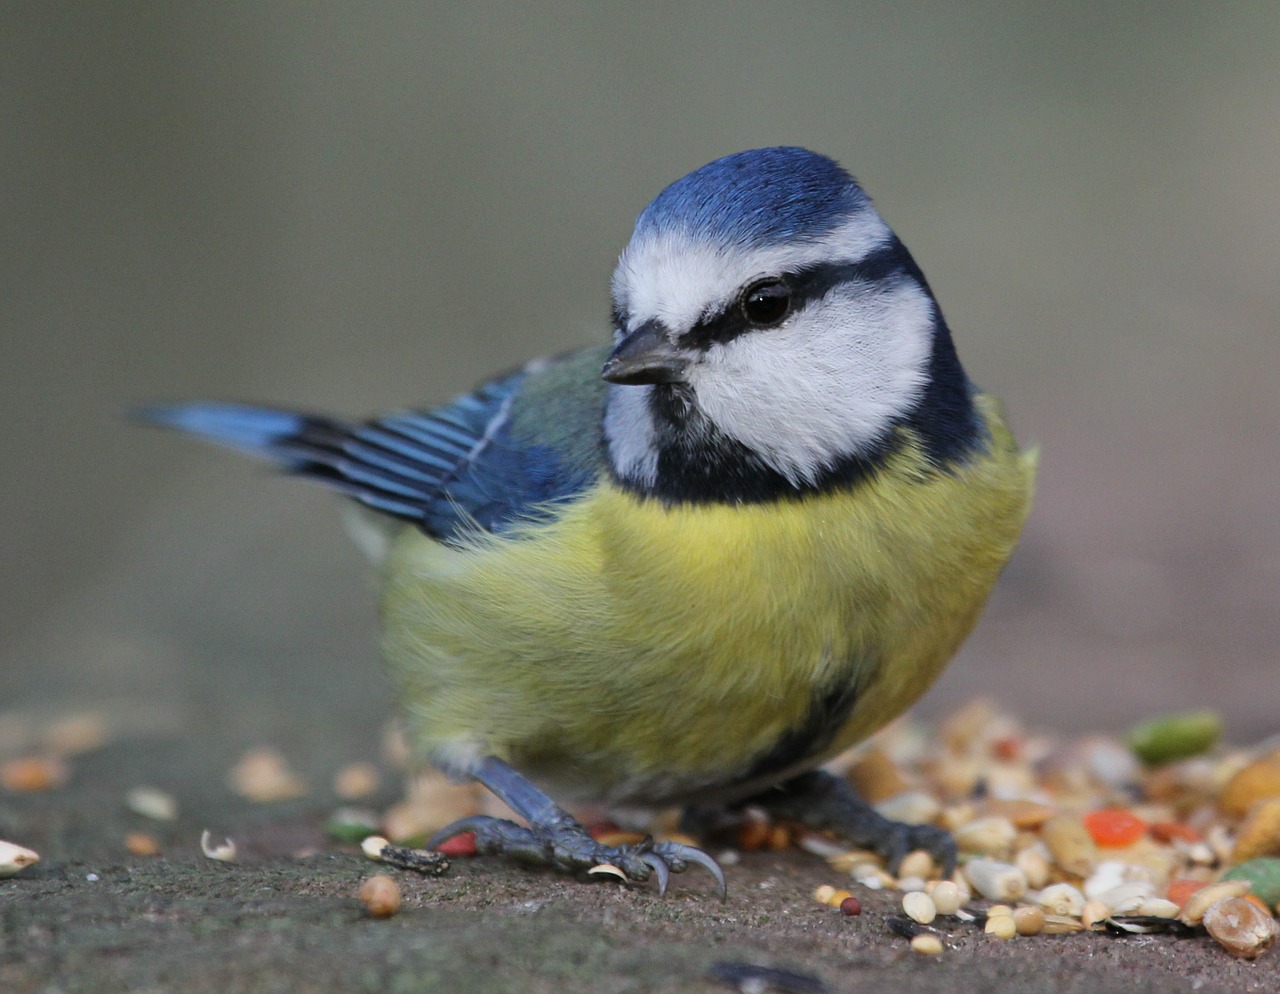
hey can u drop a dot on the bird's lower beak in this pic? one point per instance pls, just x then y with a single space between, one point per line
646 356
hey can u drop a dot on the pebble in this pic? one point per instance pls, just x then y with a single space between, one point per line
1241 927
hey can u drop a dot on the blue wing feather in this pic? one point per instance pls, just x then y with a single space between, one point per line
448 470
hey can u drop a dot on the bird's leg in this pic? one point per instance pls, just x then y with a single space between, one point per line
554 838
820 800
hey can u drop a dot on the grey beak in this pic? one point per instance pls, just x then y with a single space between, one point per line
646 356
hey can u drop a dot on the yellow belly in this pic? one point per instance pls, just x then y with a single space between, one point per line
633 651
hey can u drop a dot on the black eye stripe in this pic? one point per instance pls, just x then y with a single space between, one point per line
887 263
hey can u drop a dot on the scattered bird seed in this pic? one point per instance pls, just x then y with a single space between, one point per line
1028 920
1263 875
152 802
15 858
919 907
424 861
34 774
946 897
749 978
224 852
373 846
995 880
380 896
1201 901
1175 736
1061 899
356 781
1061 925
141 844
1240 927
264 775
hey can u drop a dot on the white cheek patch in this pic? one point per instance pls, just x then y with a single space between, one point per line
630 434
827 383
679 279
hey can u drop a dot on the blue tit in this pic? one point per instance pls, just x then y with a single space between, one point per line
692 565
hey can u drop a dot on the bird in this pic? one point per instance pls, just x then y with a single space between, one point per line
691 564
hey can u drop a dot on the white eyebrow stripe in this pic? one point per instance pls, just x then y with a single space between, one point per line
678 279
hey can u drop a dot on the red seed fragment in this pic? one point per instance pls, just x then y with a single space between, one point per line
1181 888
1009 748
1168 831
1114 827
851 906
459 845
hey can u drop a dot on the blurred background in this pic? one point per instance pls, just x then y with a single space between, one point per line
361 208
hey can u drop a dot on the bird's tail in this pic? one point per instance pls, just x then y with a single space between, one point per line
290 440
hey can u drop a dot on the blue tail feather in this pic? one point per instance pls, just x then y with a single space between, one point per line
255 430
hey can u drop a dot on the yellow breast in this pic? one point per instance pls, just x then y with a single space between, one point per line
632 651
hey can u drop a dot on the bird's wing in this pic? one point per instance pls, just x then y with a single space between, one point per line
486 459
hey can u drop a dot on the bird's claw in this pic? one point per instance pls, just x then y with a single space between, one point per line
568 847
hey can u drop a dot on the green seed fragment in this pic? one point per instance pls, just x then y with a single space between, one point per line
1263 875
1175 736
351 825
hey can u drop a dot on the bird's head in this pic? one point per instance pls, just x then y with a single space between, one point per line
772 333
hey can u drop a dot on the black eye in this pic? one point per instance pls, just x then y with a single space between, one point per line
766 302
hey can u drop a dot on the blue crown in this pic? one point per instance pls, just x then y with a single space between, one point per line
755 198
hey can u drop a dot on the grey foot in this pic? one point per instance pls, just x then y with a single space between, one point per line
556 839
568 847
819 800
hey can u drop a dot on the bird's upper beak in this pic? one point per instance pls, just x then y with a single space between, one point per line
646 356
